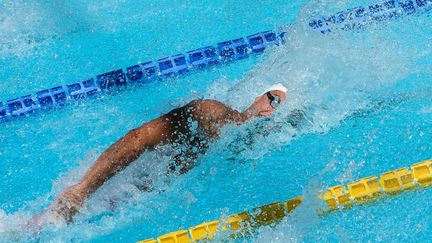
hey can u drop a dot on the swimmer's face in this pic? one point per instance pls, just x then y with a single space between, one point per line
262 104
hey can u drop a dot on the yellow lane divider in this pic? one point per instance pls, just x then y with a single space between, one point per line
358 192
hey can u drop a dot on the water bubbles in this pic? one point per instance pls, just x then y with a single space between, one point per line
213 171
190 198
3 218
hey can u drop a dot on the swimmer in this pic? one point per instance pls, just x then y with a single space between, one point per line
174 127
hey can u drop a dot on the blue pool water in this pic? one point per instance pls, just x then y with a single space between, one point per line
366 97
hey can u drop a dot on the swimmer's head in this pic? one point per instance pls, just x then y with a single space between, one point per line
269 100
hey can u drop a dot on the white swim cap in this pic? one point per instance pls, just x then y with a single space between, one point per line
278 86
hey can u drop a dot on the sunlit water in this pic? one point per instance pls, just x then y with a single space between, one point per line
365 97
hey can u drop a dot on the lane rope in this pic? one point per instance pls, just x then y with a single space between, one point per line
202 58
338 197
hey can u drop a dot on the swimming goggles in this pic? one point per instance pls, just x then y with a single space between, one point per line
274 100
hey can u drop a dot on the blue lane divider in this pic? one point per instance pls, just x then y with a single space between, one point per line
357 18
224 52
171 66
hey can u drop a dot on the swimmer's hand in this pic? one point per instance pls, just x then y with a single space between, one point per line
68 203
62 210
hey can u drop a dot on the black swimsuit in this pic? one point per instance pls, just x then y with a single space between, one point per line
189 141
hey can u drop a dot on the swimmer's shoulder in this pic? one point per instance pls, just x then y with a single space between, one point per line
205 103
207 108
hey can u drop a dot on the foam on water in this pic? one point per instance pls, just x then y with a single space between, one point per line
329 78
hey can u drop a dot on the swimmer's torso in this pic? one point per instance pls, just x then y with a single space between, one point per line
189 131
